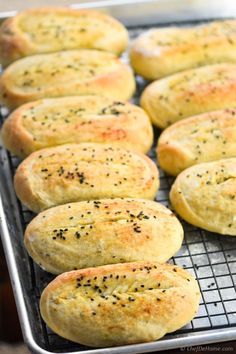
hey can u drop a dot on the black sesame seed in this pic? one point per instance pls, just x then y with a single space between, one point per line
77 234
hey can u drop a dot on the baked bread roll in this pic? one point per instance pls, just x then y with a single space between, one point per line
50 122
51 29
204 195
94 233
76 172
161 52
72 72
120 304
190 93
207 137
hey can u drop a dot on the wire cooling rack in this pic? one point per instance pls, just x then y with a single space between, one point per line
211 258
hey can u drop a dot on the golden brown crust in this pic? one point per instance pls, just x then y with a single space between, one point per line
72 72
164 51
51 29
51 122
90 234
120 304
10 48
207 137
204 195
189 93
76 172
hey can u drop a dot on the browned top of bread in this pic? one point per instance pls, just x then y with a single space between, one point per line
160 52
92 233
51 29
189 93
205 196
65 73
120 304
51 122
207 137
75 172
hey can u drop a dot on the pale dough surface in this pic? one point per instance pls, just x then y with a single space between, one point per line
77 172
160 52
77 119
203 138
204 195
89 234
120 304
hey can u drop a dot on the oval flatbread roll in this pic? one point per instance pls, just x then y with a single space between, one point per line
51 29
207 137
205 195
190 93
76 172
120 304
72 72
51 122
161 52
99 232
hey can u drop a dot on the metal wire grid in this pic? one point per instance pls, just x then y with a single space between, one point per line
211 258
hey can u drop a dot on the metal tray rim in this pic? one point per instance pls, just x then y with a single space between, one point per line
90 4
